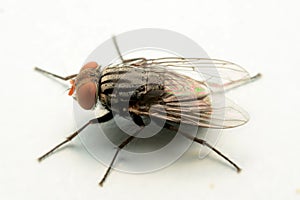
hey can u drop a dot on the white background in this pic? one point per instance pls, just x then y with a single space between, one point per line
36 113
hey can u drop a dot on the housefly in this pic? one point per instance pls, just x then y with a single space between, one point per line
183 98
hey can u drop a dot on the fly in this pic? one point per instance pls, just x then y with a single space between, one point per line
91 85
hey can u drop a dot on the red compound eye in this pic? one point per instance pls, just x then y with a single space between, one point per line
86 94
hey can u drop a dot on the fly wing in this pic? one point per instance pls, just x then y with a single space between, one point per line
198 113
186 100
218 74
228 116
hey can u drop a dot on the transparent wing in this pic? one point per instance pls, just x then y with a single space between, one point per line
201 114
219 75
228 116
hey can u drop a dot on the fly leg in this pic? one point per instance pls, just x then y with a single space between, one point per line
138 120
135 61
121 146
101 119
55 75
203 142
238 83
117 48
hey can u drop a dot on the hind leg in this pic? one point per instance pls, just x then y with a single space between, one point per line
203 142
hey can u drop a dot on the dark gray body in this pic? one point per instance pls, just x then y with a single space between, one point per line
146 90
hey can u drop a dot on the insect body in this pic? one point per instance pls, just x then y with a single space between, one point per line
146 86
134 87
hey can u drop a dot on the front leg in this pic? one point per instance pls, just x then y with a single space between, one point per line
108 116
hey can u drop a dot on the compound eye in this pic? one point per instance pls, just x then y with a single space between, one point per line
86 95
